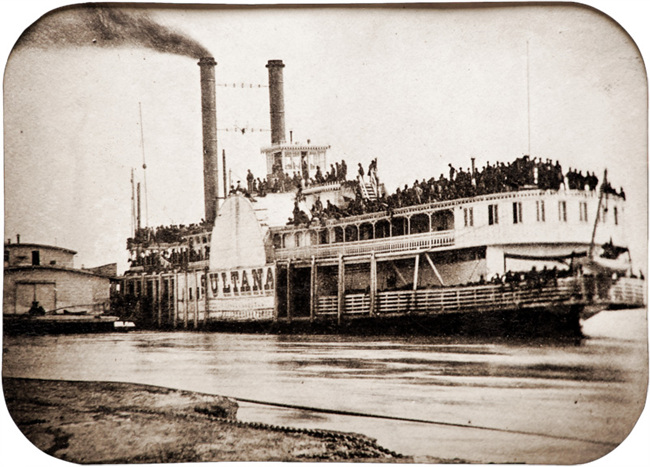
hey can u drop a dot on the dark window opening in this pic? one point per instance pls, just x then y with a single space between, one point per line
351 233
516 213
562 210
541 214
399 226
338 234
382 229
365 232
493 214
419 223
323 237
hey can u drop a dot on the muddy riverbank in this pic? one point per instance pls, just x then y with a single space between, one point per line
115 423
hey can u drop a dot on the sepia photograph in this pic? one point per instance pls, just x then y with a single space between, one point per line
369 233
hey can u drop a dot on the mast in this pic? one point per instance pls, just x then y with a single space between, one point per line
144 173
528 92
225 184
600 203
132 205
138 217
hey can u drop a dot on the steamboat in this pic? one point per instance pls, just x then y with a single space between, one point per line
512 249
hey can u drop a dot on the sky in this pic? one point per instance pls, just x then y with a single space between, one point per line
416 87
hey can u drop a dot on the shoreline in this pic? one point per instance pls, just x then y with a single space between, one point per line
105 422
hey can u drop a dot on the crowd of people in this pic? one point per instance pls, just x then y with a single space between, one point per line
165 234
522 173
533 277
155 261
501 177
282 182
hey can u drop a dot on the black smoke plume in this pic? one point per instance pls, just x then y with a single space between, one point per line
103 25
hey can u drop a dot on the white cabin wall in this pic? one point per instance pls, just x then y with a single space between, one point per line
551 229
459 273
493 261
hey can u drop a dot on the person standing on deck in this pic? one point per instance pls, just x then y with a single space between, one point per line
250 178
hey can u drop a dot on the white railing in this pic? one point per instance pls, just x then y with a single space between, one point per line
317 188
628 291
624 292
327 305
423 241
448 299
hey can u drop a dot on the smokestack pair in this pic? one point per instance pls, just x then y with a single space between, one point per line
209 116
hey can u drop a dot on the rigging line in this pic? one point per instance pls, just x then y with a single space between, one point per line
144 171
528 91
242 85
133 218
600 203
419 420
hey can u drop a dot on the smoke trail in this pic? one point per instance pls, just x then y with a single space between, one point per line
107 26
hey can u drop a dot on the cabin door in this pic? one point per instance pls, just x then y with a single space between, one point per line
299 295
293 291
281 290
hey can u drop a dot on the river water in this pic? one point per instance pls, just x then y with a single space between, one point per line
524 401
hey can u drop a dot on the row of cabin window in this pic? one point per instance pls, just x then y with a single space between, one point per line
199 239
394 228
397 226
517 213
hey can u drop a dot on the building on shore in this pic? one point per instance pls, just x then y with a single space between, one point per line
46 274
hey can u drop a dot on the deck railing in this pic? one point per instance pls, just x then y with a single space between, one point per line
449 299
628 291
625 291
422 241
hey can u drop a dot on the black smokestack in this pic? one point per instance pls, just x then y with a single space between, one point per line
210 155
107 26
276 97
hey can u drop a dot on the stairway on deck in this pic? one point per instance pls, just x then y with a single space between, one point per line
369 191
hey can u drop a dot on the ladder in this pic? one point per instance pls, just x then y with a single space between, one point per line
368 191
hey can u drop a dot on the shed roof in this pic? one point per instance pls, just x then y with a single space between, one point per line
38 245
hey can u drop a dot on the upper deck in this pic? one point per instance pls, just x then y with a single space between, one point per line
517 217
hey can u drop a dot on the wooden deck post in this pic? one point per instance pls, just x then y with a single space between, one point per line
175 305
373 283
206 287
186 301
289 307
341 291
275 292
196 300
313 294
143 295
416 271
158 300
